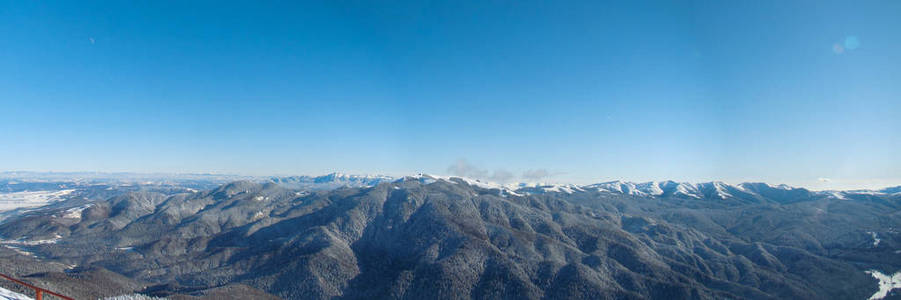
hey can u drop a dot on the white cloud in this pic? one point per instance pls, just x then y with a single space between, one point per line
463 168
535 175
501 176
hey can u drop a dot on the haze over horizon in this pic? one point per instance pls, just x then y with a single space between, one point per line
577 92
528 178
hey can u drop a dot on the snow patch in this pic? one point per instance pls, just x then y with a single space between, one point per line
10 295
562 188
23 242
133 297
424 178
721 190
837 195
480 184
876 238
886 283
257 216
15 200
687 190
614 187
780 186
19 250
651 188
75 212
428 178
866 192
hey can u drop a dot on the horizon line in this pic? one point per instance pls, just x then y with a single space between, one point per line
511 183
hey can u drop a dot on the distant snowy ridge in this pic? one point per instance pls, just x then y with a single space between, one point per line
705 190
748 191
428 178
662 189
330 181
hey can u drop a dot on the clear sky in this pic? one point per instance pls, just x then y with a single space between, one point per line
799 92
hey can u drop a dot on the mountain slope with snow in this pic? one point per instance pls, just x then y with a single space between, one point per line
715 190
429 236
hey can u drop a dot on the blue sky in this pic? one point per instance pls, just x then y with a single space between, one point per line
800 92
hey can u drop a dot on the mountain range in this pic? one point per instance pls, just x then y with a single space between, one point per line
423 237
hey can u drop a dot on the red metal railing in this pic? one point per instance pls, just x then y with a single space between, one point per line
38 292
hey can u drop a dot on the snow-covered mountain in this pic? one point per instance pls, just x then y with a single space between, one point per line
746 192
705 190
331 181
19 184
257 239
715 190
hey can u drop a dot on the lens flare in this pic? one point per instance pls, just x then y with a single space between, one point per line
838 48
851 42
